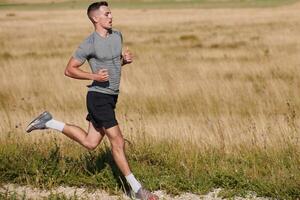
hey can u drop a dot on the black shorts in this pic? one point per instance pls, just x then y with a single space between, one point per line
101 109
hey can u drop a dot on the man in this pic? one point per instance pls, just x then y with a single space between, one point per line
103 50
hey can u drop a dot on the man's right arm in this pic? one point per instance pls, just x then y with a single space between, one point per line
73 70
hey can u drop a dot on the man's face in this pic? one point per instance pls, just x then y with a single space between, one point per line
104 17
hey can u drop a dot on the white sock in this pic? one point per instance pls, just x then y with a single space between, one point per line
57 125
134 184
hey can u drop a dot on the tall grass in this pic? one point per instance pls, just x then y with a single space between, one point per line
138 4
210 100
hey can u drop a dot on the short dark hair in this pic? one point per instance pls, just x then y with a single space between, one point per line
95 6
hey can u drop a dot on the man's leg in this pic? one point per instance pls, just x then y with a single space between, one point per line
117 144
89 140
118 150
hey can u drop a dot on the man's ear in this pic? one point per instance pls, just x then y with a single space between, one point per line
95 18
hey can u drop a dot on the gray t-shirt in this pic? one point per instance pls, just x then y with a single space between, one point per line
103 53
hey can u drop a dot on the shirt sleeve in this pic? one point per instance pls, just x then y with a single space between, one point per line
121 36
84 51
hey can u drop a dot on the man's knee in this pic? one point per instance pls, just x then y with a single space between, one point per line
91 145
118 143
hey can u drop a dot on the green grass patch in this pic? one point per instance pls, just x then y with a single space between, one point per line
138 4
163 165
12 195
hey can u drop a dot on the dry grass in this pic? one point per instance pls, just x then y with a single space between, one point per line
220 81
225 78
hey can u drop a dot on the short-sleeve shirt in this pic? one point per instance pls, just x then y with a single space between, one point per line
103 53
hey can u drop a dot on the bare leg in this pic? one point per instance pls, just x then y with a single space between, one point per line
89 140
117 144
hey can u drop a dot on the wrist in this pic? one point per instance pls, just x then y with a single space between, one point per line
123 62
92 77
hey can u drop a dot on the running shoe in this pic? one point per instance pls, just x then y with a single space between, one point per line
39 122
145 194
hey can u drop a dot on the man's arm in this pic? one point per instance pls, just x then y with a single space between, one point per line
126 57
73 70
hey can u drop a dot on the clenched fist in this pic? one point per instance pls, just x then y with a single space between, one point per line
101 75
127 56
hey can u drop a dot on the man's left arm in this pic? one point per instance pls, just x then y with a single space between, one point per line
126 57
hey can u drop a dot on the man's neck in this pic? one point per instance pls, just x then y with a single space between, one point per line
102 31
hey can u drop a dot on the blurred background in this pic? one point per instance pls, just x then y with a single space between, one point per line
213 87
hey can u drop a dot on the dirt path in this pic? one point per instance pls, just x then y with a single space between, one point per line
84 193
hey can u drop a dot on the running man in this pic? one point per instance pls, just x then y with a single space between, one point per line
103 50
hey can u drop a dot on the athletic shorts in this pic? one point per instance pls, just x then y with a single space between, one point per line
101 109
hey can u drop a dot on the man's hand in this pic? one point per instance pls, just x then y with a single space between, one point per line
73 70
101 75
127 57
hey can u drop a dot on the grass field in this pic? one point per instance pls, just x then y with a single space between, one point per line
139 4
210 101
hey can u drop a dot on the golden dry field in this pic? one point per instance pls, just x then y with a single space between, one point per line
224 78
205 80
